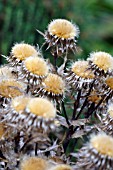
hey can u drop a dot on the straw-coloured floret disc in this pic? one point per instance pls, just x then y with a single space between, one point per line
98 154
20 52
41 107
34 69
34 163
80 68
53 86
6 71
103 144
79 76
10 88
101 63
107 121
31 113
61 35
19 103
63 28
36 66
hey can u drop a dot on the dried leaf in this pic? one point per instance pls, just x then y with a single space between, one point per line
80 122
62 121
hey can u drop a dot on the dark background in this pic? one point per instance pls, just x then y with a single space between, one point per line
19 20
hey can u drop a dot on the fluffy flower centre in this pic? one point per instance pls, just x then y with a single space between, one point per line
22 51
41 107
10 88
103 60
34 163
80 69
19 103
103 144
63 29
109 82
36 66
94 97
54 84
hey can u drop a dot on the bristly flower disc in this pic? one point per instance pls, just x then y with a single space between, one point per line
101 63
98 154
106 124
31 113
53 86
34 69
61 35
10 88
34 163
78 76
20 52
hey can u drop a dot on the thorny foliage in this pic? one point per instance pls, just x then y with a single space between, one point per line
81 98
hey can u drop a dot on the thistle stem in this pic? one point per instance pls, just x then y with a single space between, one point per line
76 104
65 114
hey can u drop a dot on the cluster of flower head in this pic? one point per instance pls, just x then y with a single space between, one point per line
38 124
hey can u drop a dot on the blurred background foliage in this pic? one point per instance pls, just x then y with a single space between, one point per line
19 20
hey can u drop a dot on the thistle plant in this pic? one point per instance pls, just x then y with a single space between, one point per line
48 111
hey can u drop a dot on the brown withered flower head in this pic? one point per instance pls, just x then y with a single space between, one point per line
10 88
7 72
53 87
107 121
20 52
106 87
62 35
34 163
101 63
78 76
30 113
97 154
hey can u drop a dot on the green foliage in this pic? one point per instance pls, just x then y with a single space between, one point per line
19 20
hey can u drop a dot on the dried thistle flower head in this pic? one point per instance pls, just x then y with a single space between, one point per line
109 82
34 163
61 167
6 71
10 88
107 121
61 35
101 62
103 144
45 108
107 87
53 86
80 68
94 97
98 154
20 52
31 113
63 28
79 76
15 113
19 103
34 68
41 114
